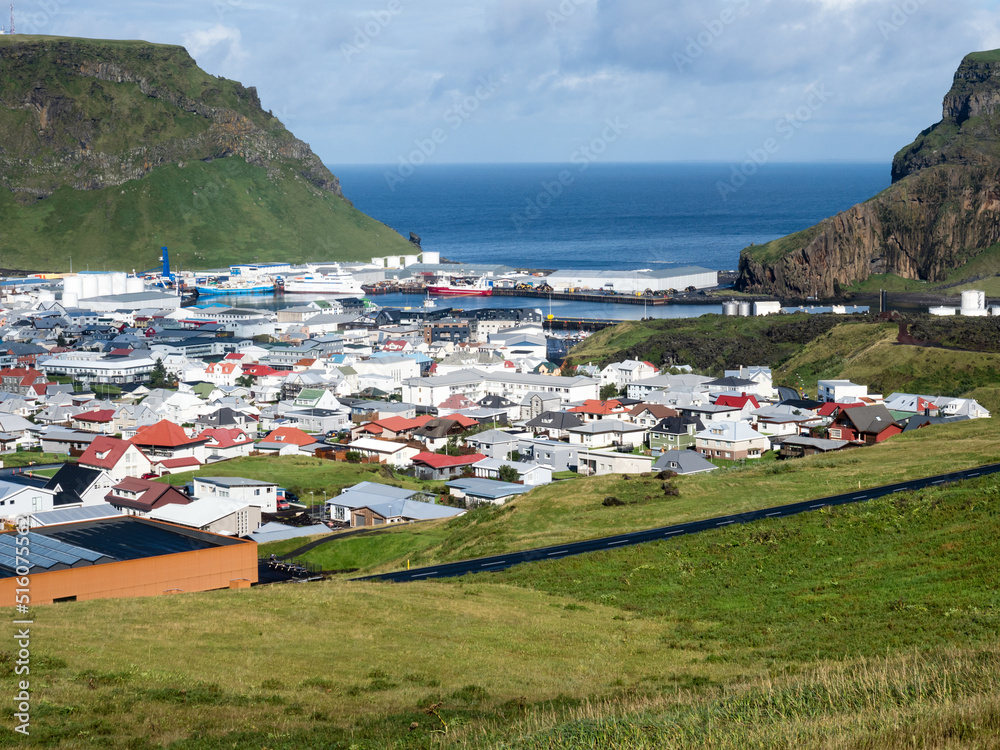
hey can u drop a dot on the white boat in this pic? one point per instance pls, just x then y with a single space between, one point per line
339 282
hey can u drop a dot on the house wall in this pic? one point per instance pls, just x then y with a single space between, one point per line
232 566
670 442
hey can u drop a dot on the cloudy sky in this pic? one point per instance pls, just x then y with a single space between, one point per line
368 81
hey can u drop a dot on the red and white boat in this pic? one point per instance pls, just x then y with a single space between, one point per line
463 288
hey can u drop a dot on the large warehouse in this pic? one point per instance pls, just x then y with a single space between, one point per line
633 282
122 557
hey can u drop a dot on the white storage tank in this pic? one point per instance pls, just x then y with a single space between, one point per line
44 295
730 309
89 286
379 262
410 260
104 285
119 283
70 299
392 261
745 309
134 285
431 258
73 285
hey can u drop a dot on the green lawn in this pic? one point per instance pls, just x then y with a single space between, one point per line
23 458
553 515
860 626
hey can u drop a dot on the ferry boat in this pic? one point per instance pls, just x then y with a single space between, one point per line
463 288
234 287
340 282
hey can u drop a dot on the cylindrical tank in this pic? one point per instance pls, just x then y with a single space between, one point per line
973 300
432 258
410 260
70 299
119 283
73 285
89 286
44 295
380 262
103 284
134 285
392 261
744 309
731 309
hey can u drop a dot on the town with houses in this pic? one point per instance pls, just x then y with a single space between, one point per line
469 399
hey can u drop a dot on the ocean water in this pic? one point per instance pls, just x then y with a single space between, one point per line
606 216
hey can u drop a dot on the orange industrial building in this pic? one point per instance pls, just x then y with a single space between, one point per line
121 557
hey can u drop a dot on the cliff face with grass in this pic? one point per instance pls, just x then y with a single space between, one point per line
110 149
942 209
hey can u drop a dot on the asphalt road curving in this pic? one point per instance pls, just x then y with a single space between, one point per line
501 562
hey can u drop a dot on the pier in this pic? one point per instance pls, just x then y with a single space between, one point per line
581 324
591 296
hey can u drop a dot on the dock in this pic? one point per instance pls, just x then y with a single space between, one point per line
581 324
655 300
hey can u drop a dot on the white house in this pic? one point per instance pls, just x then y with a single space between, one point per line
229 517
622 374
18 500
528 474
393 454
731 441
120 459
263 495
607 432
835 390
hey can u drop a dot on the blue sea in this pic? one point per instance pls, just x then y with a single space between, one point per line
606 216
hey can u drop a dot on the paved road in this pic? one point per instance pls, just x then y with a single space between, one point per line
501 562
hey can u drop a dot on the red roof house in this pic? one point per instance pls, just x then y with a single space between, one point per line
434 466
137 497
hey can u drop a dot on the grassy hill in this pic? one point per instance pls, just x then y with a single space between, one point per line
861 626
111 149
565 512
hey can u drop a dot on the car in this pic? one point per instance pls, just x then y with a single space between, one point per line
283 505
150 475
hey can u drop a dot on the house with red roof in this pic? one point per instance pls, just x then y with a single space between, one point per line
397 346
288 441
866 425
831 409
391 427
170 448
224 443
435 467
119 459
456 403
97 420
745 402
593 410
24 381
139 497
225 372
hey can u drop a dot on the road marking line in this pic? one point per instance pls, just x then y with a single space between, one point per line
486 565
974 475
419 575
623 541
940 481
560 552
724 523
776 513
813 507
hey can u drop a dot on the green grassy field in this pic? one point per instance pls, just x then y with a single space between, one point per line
866 353
859 626
552 514
310 478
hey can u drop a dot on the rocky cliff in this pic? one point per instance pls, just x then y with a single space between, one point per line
117 147
942 209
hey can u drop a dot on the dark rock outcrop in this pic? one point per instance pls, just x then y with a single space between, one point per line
942 209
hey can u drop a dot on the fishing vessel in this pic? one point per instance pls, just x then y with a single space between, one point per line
339 282
463 287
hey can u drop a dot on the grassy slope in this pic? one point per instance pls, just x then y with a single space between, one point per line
209 214
869 354
795 632
709 343
552 515
981 272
